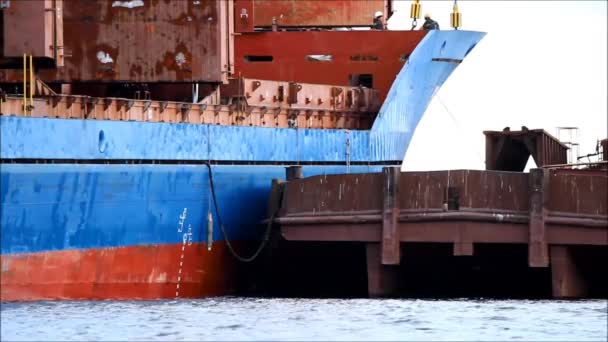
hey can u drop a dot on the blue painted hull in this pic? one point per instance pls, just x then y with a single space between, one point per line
54 207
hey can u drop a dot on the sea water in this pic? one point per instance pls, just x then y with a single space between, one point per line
231 318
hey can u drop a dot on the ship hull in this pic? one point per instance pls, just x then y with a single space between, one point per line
87 231
134 272
100 209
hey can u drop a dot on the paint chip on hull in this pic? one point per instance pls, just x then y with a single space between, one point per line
180 59
128 4
104 57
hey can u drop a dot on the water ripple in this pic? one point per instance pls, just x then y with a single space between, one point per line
230 318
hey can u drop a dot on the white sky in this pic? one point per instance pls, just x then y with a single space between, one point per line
542 65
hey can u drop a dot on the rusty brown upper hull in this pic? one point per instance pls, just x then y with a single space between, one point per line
181 42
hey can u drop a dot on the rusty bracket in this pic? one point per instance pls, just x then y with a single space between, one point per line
217 109
106 104
88 104
294 88
276 111
308 114
248 110
293 113
263 110
119 105
54 100
255 85
335 91
185 109
127 104
147 105
69 100
162 106
202 107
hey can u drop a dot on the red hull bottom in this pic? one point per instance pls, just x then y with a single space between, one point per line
134 272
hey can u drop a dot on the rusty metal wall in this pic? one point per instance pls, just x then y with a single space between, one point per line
429 189
583 193
137 40
417 191
422 190
496 190
329 194
317 13
28 28
484 191
378 53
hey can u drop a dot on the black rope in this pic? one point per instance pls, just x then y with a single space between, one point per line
221 224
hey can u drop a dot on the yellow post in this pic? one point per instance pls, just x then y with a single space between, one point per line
32 85
415 13
24 84
415 10
455 17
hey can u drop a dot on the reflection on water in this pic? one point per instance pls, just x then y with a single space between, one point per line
232 318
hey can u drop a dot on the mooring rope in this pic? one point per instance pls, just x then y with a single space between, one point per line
221 224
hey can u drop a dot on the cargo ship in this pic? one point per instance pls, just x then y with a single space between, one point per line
139 138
